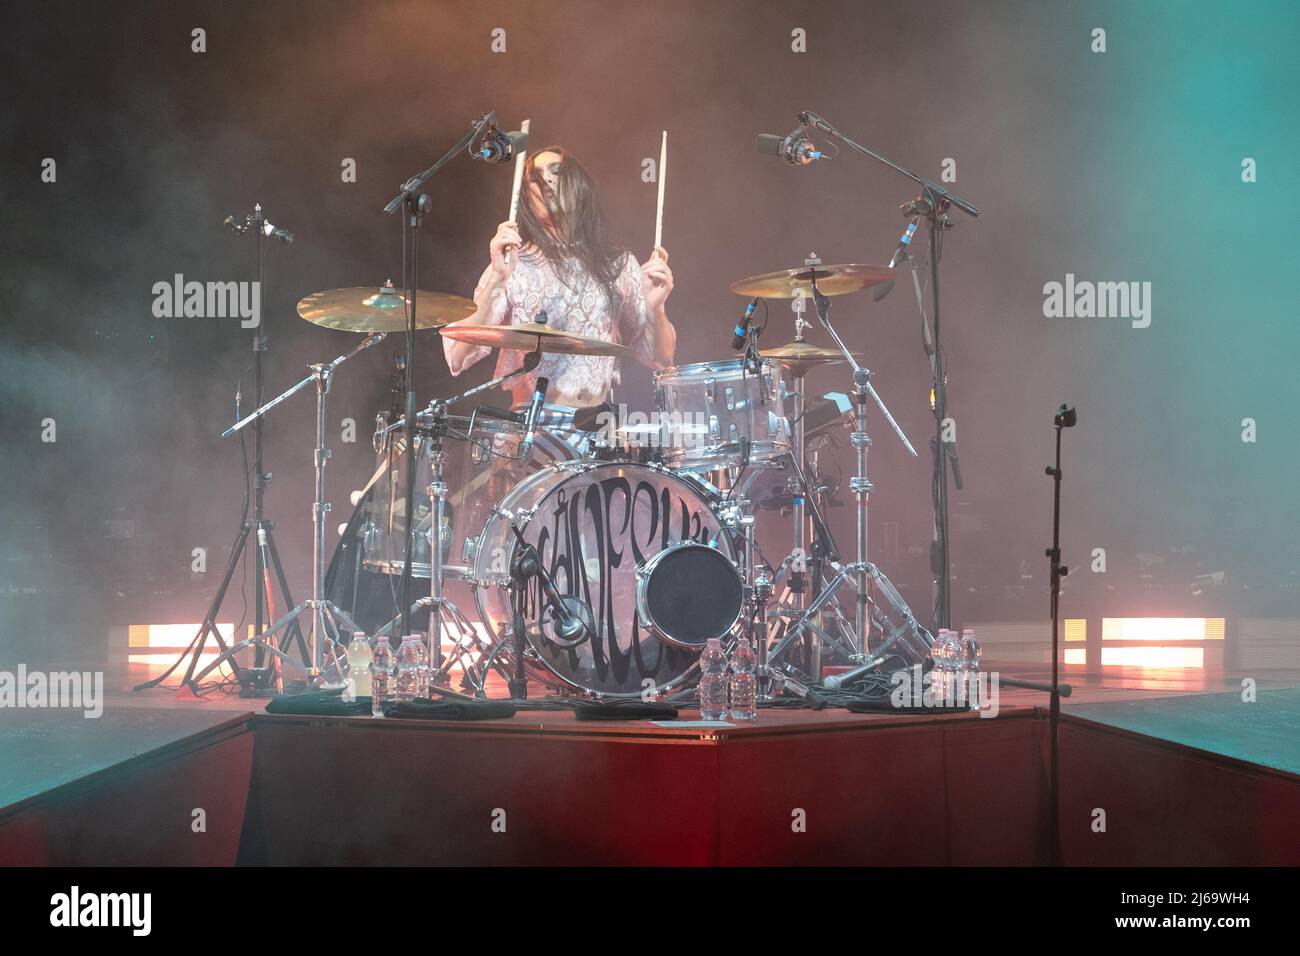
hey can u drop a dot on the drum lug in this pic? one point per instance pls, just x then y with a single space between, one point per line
729 397
710 389
715 430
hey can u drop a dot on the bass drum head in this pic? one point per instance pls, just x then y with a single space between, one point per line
594 526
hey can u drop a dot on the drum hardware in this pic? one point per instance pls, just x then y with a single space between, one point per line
436 417
324 614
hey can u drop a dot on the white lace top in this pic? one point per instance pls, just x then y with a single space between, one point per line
577 303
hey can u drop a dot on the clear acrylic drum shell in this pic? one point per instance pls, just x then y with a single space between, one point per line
590 500
731 402
481 467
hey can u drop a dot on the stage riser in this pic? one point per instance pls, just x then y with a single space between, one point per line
1166 805
966 792
140 813
935 793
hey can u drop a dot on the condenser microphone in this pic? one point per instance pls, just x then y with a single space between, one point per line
794 147
501 147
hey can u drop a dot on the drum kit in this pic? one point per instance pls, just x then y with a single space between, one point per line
593 551
640 532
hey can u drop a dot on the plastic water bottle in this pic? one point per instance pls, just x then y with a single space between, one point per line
406 677
941 674
971 655
744 681
359 658
381 667
713 681
423 672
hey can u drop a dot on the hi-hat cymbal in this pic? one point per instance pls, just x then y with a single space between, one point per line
381 309
831 280
533 336
805 353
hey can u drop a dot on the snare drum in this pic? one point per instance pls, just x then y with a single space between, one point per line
709 409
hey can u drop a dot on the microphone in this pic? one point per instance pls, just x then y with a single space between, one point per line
836 681
794 147
501 147
904 241
900 253
530 418
274 232
740 334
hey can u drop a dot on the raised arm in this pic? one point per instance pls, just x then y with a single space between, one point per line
493 306
644 289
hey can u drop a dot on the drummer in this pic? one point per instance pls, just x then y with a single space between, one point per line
562 262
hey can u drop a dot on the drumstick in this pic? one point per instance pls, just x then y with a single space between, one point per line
663 176
519 179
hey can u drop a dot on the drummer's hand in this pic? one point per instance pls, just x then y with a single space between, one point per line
506 239
656 280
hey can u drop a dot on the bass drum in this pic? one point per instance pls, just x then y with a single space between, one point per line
594 525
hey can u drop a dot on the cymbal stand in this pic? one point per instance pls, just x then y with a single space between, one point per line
324 614
861 571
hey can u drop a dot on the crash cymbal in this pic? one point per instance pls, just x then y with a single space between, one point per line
533 336
831 280
381 309
805 353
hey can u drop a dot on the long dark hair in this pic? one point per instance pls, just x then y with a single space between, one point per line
580 234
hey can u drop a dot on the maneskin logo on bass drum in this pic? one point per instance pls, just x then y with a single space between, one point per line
626 525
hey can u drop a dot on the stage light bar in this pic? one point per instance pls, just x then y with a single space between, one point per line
1160 630
1158 658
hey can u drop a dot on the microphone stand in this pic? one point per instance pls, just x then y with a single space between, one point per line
932 205
266 555
1065 418
416 204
